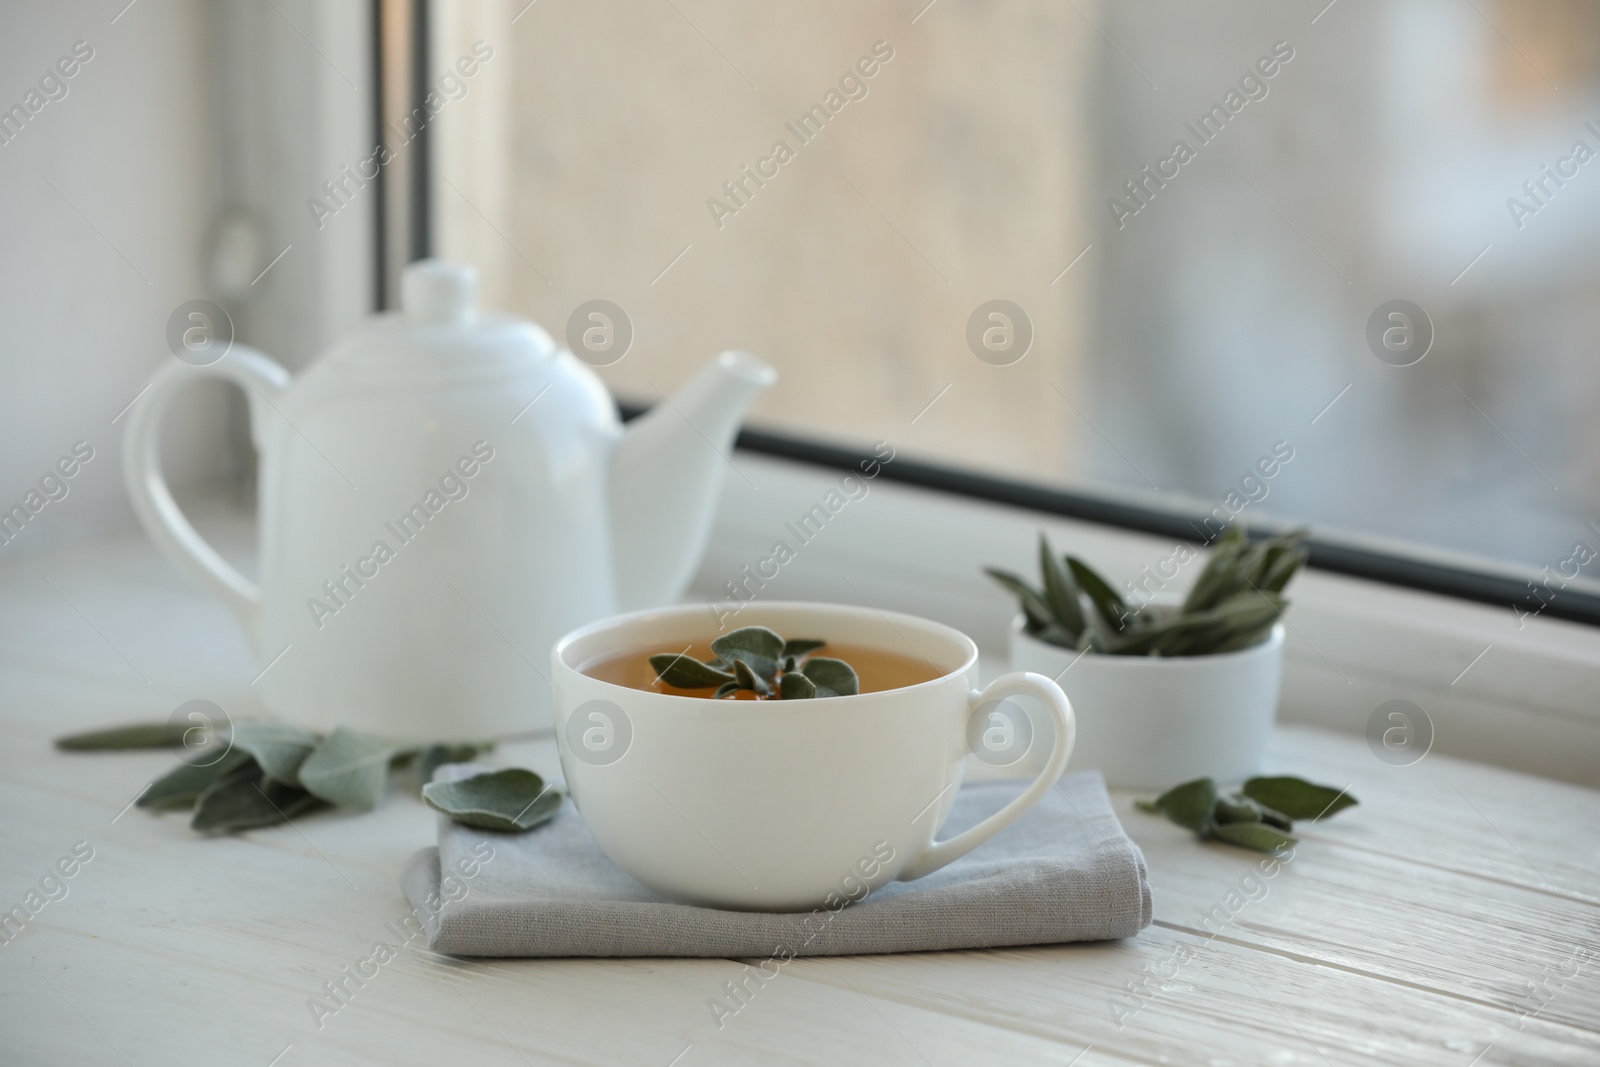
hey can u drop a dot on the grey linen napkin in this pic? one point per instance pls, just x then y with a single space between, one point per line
1065 871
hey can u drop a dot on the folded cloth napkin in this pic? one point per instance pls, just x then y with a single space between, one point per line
1064 871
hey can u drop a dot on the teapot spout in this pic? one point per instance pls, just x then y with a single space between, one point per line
666 474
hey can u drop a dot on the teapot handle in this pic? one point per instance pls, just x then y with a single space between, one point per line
147 487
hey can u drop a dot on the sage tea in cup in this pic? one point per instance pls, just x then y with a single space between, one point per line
755 663
793 803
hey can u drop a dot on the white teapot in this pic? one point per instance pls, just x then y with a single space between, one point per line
442 496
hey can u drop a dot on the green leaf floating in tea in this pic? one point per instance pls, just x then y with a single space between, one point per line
832 677
757 660
1258 817
796 686
512 799
686 672
1235 601
755 646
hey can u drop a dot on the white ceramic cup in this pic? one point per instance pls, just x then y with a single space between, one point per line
782 805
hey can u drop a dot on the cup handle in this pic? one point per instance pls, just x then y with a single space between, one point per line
940 853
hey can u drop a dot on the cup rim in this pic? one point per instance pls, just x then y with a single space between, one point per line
1275 640
895 619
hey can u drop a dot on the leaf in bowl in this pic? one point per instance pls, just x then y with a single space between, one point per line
512 800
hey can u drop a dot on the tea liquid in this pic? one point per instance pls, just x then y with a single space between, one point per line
878 670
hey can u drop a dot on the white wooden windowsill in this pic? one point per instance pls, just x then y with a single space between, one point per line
1452 918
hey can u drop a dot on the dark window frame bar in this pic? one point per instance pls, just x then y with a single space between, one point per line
1106 509
404 235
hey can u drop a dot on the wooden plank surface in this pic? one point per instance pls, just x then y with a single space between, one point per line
1452 918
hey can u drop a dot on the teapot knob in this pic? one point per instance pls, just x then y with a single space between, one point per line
435 291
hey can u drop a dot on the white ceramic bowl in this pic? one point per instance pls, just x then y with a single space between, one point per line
1152 722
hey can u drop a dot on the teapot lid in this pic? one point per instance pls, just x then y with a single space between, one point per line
438 328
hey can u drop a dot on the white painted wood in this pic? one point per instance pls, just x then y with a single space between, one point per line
1406 931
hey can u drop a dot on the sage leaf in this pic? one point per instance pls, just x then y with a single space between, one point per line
1146 805
1298 798
1234 810
1189 805
1279 574
1106 600
1056 634
726 690
1236 807
1060 592
1034 608
513 800
746 678
800 646
1215 580
348 769
133 735
1259 836
796 686
755 645
832 677
437 755
685 672
182 786
1273 817
278 748
246 799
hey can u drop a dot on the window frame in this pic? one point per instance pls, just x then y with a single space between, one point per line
1369 623
410 226
1329 553
405 221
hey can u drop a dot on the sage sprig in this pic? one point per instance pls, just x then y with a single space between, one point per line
758 660
1233 604
1259 816
257 774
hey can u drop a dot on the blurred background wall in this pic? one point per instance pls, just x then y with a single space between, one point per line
1227 315
116 194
